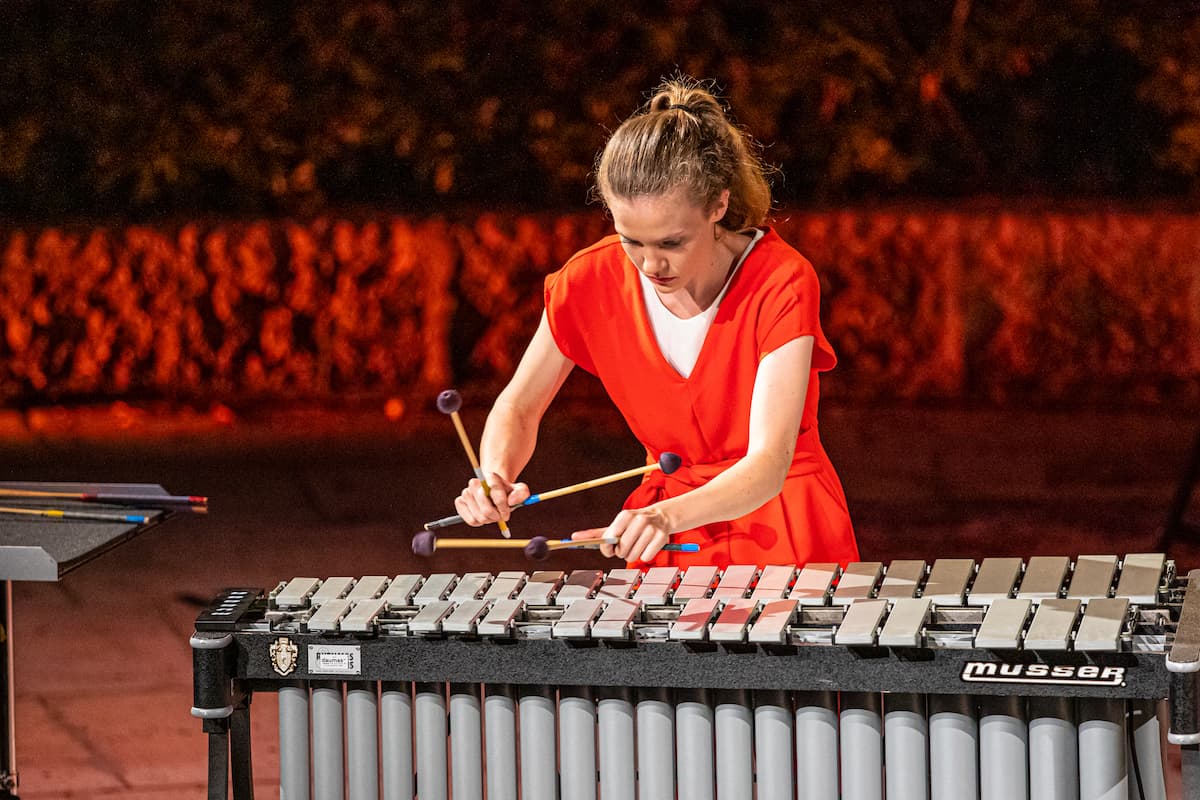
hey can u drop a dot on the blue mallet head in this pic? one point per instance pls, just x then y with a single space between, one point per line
668 462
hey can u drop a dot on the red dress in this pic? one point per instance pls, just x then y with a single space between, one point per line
597 315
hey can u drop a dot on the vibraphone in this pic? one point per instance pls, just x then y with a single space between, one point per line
1003 679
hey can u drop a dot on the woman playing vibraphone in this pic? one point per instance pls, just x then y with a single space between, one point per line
703 325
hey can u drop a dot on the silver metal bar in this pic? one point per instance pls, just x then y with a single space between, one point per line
657 586
733 620
500 618
620 583
905 622
581 584
1004 624
505 586
401 590
902 579
1052 625
857 582
470 586
861 624
1092 577
1044 576
696 582
617 618
692 623
770 627
368 587
296 592
947 584
541 587
735 581
331 589
435 587
362 617
1102 623
465 617
995 580
1141 574
813 584
576 620
774 582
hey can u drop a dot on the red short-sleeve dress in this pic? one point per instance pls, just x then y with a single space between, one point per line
597 315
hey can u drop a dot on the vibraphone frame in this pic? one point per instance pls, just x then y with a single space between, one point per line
231 665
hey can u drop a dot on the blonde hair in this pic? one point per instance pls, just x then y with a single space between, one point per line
683 137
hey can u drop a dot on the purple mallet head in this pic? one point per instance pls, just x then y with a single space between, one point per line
669 462
538 548
424 543
449 401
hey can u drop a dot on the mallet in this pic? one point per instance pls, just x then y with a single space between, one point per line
667 462
449 402
425 543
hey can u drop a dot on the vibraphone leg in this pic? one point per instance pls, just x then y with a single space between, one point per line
1145 754
500 741
430 713
293 740
1053 749
1102 760
217 731
362 740
906 747
1003 749
694 744
773 745
539 780
328 770
239 749
655 745
577 742
396 740
953 748
734 722
861 746
614 717
817 745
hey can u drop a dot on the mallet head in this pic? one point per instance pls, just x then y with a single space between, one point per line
449 401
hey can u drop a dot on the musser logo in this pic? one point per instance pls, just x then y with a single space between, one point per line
1075 674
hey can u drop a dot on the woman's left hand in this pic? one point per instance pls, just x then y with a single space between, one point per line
639 533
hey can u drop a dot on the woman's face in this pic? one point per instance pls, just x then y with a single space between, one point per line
670 239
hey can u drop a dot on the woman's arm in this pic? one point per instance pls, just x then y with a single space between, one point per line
510 434
776 408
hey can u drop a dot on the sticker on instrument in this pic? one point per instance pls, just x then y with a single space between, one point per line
284 654
1068 674
334 659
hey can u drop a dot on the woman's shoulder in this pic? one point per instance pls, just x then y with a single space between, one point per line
604 251
775 262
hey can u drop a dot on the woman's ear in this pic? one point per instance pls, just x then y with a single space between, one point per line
719 207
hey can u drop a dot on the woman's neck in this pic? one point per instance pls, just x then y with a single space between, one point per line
727 251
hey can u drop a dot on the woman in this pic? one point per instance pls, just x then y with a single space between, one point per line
703 328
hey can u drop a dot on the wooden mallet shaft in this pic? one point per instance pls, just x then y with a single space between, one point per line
449 402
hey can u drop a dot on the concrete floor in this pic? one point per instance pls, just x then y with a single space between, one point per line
103 667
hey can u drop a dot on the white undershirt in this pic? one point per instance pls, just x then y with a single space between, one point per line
680 340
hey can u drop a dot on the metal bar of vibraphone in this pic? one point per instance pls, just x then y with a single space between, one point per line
655 718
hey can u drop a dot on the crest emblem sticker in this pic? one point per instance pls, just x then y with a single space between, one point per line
284 654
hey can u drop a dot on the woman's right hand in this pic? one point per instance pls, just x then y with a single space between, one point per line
478 507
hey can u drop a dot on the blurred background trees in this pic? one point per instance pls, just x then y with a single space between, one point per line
149 109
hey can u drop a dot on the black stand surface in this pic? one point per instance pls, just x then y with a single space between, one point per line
35 548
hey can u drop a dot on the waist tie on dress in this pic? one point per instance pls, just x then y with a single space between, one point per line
809 458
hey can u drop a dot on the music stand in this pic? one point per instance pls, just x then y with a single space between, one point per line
45 549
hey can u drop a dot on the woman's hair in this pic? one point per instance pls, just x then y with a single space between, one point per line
683 137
